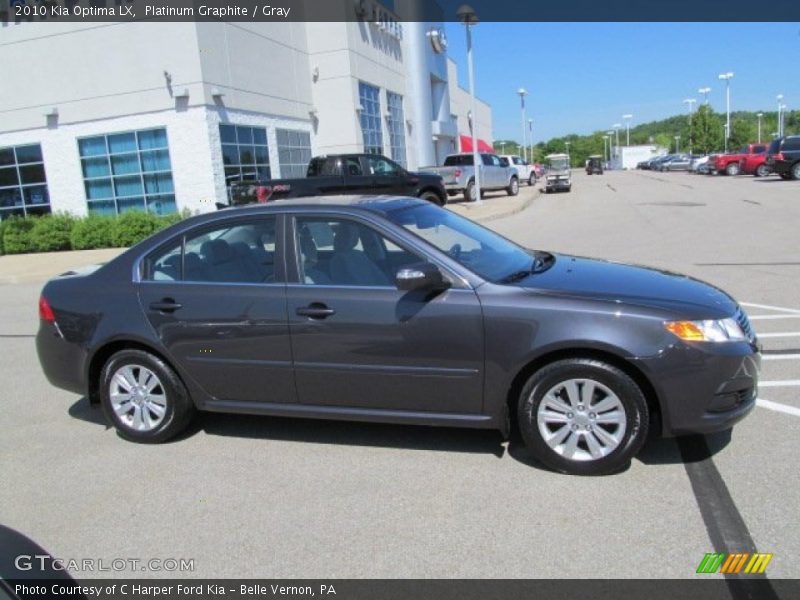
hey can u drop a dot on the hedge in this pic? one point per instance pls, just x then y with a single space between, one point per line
61 231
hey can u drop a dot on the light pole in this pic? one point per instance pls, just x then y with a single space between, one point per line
779 98
522 93
605 155
616 127
467 16
677 144
759 115
627 119
530 137
690 102
705 91
567 145
783 119
726 77
610 137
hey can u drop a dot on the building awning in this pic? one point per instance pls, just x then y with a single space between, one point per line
466 144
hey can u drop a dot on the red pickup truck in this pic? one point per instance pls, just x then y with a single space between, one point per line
730 163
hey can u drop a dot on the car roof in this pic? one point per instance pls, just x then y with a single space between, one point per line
373 203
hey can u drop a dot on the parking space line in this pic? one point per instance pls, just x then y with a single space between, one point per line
780 383
770 307
780 334
780 356
773 317
778 407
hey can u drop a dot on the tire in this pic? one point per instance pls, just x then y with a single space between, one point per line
732 169
553 399
785 176
532 179
433 198
135 368
469 193
795 172
762 170
513 187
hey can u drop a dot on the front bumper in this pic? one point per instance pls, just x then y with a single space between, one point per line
558 183
704 387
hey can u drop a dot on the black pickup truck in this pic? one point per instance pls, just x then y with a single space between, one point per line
348 174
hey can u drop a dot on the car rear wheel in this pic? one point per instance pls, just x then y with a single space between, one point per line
469 193
513 187
796 171
433 198
732 169
583 417
532 179
762 170
143 397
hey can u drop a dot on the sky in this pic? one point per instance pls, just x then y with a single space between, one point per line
582 77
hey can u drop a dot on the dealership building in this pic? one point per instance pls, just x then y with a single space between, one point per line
108 117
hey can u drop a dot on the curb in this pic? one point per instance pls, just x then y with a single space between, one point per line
499 215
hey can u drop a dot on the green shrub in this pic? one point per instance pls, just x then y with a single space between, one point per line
17 235
91 232
52 232
132 227
2 228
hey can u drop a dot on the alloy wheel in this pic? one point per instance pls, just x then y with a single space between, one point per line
138 397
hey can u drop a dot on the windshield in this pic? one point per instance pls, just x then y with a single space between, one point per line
559 164
484 252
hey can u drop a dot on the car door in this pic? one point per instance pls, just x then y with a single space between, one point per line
361 343
356 179
489 171
387 177
216 298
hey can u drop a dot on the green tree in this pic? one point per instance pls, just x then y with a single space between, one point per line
707 130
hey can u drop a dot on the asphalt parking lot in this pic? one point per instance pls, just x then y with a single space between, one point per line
285 498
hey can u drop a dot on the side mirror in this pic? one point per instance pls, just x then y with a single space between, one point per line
420 276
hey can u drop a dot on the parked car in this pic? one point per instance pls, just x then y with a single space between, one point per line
655 163
525 170
343 174
783 157
754 164
729 163
698 163
458 174
677 162
559 173
396 310
594 165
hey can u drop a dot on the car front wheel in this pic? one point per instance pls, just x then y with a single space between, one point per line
513 187
143 397
433 198
532 179
762 170
732 169
583 417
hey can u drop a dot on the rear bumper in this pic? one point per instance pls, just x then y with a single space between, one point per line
703 388
63 362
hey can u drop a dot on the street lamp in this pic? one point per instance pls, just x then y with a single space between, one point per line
616 127
530 137
705 91
610 137
783 119
567 145
522 93
759 115
779 97
605 155
466 14
690 102
677 144
726 77
627 119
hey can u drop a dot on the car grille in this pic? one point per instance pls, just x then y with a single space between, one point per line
744 323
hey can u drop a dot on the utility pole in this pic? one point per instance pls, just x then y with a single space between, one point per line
726 77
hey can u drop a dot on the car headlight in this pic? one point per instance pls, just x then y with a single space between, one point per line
723 330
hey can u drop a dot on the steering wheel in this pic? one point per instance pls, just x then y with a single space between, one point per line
455 251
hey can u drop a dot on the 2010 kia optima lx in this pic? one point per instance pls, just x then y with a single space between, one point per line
392 309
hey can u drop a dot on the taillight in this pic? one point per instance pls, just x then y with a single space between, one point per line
778 156
457 173
45 312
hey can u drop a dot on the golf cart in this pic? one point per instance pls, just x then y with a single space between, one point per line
594 165
559 175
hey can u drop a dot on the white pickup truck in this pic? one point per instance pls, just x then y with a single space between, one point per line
525 171
458 174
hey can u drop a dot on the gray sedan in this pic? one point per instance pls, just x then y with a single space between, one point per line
391 309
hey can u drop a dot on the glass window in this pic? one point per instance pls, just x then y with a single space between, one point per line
369 97
117 172
396 123
344 252
243 252
380 166
245 153
294 152
23 182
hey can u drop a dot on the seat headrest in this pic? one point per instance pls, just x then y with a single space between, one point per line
345 238
308 247
216 251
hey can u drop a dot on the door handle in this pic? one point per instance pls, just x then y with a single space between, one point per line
166 305
315 310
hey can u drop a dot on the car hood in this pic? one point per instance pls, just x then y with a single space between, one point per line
632 284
